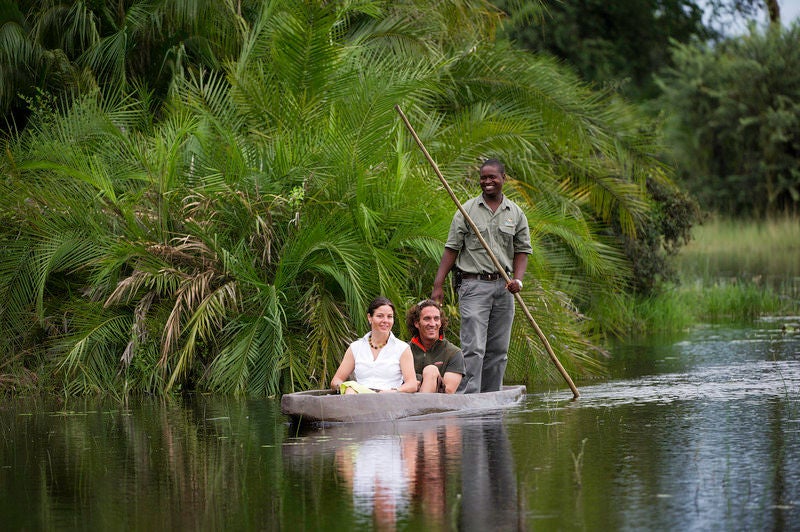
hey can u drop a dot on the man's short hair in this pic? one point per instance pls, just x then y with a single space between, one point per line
496 163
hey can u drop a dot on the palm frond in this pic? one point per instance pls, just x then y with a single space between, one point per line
254 352
315 356
208 312
95 347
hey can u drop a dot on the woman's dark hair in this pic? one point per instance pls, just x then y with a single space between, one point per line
413 313
379 302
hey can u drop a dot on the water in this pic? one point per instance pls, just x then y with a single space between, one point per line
699 433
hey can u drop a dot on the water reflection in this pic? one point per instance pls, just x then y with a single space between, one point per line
489 482
435 453
149 465
388 474
713 444
443 474
378 473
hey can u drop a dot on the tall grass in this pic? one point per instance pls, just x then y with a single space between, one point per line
679 307
761 252
733 270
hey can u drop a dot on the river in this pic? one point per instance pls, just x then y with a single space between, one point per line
696 433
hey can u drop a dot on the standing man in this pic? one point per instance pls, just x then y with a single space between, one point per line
486 301
438 363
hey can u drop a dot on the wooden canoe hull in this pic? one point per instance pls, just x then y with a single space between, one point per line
325 406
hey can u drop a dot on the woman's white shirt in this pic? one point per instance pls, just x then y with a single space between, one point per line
383 372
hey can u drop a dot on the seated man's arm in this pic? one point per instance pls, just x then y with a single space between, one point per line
454 371
451 381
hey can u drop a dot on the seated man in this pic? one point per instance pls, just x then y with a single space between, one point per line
438 363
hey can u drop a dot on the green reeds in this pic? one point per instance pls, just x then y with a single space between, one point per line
738 302
680 307
732 271
666 312
763 252
577 462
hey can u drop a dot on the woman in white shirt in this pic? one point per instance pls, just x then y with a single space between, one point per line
379 361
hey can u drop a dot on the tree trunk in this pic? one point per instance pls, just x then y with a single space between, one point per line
774 11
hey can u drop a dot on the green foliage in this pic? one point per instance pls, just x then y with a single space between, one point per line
231 239
667 311
659 239
731 271
762 252
612 44
680 307
68 48
737 302
735 121
620 45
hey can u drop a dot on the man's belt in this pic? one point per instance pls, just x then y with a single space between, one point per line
482 276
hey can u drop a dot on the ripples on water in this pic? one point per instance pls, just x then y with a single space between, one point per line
714 363
706 439
738 381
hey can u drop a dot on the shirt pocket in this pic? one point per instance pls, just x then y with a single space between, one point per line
507 235
472 242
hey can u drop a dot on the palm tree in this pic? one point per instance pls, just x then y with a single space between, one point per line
67 49
233 243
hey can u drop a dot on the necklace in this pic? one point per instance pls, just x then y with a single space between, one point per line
373 346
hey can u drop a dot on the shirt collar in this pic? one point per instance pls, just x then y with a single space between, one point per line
503 203
416 341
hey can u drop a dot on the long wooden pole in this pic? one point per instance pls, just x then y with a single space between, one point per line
491 254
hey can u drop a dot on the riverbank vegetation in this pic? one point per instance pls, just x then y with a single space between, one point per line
228 234
732 270
763 252
734 122
205 197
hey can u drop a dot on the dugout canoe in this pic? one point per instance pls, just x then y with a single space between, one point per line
325 406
